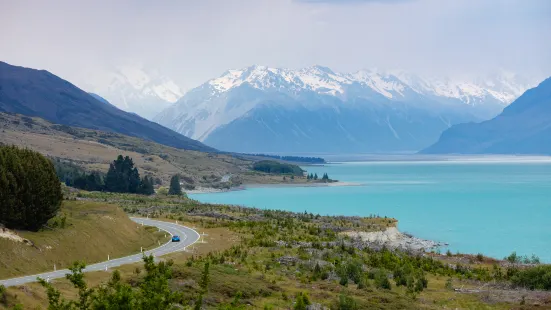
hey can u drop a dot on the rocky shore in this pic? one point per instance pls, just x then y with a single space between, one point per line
391 238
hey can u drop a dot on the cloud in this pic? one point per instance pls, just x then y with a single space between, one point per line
193 41
353 1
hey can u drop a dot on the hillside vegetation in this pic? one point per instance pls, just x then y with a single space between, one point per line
94 150
287 260
85 231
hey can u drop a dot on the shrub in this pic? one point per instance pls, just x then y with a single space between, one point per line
3 297
302 301
381 280
534 278
346 302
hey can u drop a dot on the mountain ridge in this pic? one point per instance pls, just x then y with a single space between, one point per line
209 112
522 128
40 93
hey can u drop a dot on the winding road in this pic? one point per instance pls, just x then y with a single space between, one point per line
187 235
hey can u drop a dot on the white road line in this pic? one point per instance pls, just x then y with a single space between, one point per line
168 247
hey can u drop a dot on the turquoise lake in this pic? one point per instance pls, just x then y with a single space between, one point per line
492 208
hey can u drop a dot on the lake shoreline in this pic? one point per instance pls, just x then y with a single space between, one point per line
459 204
209 190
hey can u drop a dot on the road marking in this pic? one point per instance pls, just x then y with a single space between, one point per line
168 247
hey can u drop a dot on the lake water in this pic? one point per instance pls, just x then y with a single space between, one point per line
489 207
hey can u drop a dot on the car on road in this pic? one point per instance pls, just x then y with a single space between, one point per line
175 238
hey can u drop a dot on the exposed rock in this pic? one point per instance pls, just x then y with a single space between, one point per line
10 235
288 260
316 307
393 239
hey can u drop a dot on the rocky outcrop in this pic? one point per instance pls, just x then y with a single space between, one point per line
391 238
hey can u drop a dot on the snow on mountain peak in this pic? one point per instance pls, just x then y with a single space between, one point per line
221 101
134 88
316 78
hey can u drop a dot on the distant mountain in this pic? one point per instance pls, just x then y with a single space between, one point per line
99 98
40 93
524 127
133 88
262 109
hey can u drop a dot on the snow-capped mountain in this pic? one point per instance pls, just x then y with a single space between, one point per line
316 109
134 89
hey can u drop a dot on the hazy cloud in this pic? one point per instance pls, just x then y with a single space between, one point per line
353 1
193 41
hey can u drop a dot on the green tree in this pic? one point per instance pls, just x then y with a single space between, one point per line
175 188
204 285
146 186
30 191
154 291
122 176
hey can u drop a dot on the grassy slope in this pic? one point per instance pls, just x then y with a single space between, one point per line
93 231
94 150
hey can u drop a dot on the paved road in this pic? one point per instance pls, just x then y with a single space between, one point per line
187 235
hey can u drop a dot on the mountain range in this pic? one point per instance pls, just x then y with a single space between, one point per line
133 88
524 127
40 93
263 109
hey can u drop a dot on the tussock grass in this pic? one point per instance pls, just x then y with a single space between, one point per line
92 231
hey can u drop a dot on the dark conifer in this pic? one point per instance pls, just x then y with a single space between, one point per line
175 188
30 192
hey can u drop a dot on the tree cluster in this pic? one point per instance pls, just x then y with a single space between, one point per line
314 176
30 192
122 177
74 176
274 167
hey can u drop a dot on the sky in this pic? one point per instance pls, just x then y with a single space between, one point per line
193 41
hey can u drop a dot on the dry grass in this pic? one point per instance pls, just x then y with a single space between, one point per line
93 231
94 150
33 296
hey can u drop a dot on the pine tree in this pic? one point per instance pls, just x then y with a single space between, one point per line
315 176
30 191
175 188
114 180
146 186
122 176
133 180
